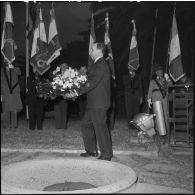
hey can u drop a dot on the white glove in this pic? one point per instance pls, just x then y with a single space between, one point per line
166 76
149 103
11 66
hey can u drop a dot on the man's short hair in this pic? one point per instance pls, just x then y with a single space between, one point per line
101 46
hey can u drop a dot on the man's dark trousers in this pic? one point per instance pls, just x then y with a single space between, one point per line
36 114
132 104
95 130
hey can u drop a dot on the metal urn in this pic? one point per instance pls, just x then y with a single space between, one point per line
160 119
144 122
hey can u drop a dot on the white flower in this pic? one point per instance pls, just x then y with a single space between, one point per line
60 82
67 79
56 70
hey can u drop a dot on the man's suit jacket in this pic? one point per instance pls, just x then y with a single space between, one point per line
98 87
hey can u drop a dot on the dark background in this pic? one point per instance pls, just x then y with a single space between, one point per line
73 24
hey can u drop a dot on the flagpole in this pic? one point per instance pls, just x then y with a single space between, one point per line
27 55
153 46
153 51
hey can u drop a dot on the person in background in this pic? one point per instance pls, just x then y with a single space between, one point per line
188 84
35 103
158 87
133 94
10 95
82 100
61 107
61 112
186 80
111 110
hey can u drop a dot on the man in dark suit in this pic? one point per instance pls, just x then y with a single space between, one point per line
94 126
133 89
35 103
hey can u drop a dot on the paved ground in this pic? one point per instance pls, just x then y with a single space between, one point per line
171 168
156 174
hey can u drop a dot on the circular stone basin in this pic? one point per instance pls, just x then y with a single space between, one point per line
32 177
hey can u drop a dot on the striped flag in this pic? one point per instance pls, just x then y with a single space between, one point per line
39 46
92 39
8 45
175 63
107 42
53 41
133 55
31 22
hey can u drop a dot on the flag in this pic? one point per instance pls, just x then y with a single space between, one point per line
8 45
31 22
175 63
39 46
107 42
53 41
92 39
133 55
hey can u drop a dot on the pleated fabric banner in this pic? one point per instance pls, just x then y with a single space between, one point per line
175 61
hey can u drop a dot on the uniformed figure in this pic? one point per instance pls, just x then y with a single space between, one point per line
133 90
158 89
10 95
187 82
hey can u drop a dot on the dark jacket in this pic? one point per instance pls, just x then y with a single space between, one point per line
10 90
133 85
98 87
31 96
14 73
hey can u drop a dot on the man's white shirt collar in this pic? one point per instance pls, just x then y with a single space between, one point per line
97 59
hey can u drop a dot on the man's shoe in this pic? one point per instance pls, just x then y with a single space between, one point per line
104 158
87 154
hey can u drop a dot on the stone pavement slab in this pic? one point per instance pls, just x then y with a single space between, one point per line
159 167
155 189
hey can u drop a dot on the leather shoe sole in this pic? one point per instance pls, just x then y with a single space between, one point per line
104 158
88 154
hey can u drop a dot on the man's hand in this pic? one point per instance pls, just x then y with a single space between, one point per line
70 95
